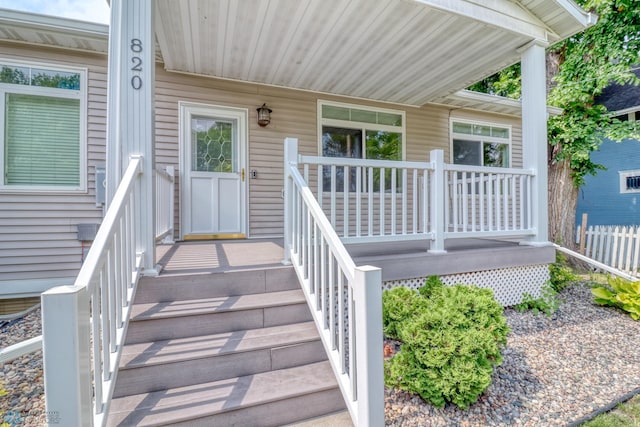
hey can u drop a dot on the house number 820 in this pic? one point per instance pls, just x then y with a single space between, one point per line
136 47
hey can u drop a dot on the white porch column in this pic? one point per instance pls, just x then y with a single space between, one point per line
534 135
131 113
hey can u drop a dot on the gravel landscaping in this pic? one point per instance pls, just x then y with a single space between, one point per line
23 405
556 370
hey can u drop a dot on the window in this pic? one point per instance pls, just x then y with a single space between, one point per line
479 144
42 128
631 115
629 181
358 132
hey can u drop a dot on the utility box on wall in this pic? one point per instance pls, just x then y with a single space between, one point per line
101 185
87 232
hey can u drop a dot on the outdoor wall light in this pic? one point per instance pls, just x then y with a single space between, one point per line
264 115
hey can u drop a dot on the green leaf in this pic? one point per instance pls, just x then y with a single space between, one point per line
604 296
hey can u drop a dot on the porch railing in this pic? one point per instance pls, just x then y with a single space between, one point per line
84 325
482 201
345 300
378 200
165 194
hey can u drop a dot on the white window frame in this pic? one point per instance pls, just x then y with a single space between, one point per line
80 94
629 112
363 126
480 138
623 181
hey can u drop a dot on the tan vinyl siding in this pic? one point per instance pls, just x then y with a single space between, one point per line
294 115
17 305
38 231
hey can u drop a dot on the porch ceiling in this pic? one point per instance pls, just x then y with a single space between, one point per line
402 51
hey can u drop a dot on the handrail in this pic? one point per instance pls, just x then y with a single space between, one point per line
595 263
346 161
16 350
84 325
345 300
165 188
369 200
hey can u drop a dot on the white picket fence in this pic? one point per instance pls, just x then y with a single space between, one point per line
615 246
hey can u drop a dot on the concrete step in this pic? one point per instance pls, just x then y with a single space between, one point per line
198 286
152 366
267 399
184 318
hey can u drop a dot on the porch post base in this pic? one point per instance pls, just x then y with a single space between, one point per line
152 272
437 251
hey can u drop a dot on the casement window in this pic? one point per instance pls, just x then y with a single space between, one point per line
629 181
480 144
359 132
42 128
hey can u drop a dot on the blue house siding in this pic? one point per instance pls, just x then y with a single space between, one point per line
600 197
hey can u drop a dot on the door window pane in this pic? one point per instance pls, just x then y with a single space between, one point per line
213 145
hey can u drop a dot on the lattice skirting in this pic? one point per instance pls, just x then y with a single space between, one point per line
508 284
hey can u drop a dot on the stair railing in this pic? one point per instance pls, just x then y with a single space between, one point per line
84 325
345 300
165 194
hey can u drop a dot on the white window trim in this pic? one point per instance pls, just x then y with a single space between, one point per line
623 180
480 138
629 112
361 125
53 92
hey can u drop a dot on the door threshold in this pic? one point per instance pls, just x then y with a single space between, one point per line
222 236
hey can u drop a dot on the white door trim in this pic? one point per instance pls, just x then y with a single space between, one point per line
185 111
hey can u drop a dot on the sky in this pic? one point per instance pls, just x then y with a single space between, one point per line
85 10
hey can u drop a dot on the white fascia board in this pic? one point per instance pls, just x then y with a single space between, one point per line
480 98
502 14
488 98
64 25
586 19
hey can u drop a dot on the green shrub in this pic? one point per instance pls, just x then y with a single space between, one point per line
399 305
620 293
450 342
560 274
548 303
430 284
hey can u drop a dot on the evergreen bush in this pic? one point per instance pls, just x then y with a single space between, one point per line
451 341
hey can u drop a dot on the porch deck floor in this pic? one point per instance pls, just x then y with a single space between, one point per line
397 259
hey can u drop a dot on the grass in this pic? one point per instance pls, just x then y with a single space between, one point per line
624 415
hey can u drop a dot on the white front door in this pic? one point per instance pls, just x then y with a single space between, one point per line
213 141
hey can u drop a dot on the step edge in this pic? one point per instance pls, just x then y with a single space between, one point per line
299 299
326 386
212 356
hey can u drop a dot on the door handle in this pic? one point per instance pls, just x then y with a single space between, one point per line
242 175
